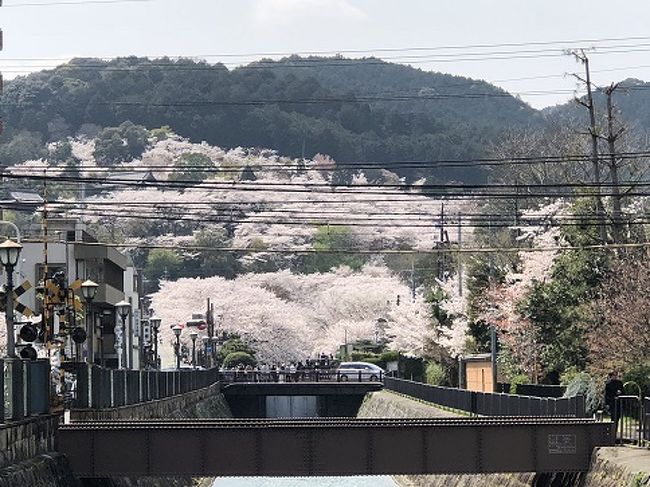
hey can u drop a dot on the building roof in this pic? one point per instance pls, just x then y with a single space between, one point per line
26 197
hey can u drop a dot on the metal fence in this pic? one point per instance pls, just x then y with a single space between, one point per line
632 420
99 388
26 388
304 375
489 404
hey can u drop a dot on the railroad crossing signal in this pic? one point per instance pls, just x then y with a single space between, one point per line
18 291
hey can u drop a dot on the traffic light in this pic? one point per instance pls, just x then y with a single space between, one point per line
79 335
28 353
28 332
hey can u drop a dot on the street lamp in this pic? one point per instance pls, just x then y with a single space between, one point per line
193 335
123 309
155 324
9 253
177 331
89 291
205 339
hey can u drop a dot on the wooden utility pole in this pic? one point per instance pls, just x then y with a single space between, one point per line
580 55
460 254
613 134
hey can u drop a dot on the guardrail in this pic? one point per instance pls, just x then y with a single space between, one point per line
489 404
303 375
26 388
99 388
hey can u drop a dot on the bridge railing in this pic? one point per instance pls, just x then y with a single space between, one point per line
489 404
26 388
322 375
100 388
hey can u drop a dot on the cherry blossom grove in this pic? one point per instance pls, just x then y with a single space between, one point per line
293 316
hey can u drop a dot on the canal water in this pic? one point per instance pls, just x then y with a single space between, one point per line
305 482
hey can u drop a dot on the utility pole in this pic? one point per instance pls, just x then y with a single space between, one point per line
581 57
460 255
611 138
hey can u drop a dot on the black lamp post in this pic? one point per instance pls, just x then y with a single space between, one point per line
177 331
9 254
206 340
193 335
123 309
155 325
89 291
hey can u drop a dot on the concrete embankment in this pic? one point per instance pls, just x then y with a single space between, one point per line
387 404
24 461
610 467
619 467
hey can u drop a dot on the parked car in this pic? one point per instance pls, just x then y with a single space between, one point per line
359 370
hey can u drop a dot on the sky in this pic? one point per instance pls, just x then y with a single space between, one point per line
435 35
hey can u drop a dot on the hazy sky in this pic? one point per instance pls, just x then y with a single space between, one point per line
38 36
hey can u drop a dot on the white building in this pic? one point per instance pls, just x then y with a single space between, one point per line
72 250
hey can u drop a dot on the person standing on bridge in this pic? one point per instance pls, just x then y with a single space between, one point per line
613 389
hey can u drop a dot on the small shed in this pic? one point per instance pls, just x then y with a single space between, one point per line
477 372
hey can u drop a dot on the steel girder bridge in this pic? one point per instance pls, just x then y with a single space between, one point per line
330 447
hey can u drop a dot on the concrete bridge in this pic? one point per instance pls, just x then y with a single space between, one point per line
297 399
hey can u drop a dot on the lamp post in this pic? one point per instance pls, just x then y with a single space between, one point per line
123 309
9 253
193 335
155 324
177 331
89 291
213 354
205 339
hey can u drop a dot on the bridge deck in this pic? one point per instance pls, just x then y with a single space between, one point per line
309 447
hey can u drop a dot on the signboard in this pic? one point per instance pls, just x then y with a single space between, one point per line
562 444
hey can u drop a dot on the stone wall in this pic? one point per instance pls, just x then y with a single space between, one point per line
387 404
23 440
42 471
204 403
24 461
619 467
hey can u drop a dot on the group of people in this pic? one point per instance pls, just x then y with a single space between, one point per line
311 369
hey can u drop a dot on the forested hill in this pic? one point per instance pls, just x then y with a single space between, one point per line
353 110
631 100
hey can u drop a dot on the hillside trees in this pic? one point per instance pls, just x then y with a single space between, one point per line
193 167
619 337
334 247
114 145
268 105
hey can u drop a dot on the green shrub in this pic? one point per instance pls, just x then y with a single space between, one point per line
362 356
641 375
435 374
584 385
568 375
235 358
390 356
515 380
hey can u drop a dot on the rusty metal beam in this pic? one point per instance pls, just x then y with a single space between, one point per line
205 448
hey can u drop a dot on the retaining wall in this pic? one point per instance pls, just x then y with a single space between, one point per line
387 404
24 461
23 440
204 403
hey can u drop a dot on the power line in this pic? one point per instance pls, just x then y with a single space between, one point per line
72 2
355 51
464 250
